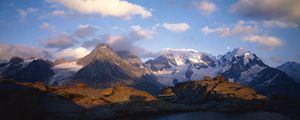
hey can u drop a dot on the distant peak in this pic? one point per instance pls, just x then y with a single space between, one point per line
240 52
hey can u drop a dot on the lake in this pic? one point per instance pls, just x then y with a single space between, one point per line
212 116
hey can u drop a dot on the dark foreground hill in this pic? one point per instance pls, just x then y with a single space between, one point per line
36 101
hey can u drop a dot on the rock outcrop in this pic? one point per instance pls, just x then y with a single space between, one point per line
214 94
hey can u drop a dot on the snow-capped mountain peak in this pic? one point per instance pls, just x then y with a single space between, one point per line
238 52
183 56
238 55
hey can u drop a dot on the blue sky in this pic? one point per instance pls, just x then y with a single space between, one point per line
64 28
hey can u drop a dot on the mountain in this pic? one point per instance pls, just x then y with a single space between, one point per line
29 70
12 67
272 81
292 69
37 70
239 66
103 67
173 64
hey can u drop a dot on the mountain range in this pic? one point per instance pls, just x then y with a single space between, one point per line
292 69
239 66
104 67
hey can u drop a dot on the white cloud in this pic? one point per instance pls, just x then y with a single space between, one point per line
239 28
58 13
279 23
24 13
137 32
279 10
47 26
176 27
125 41
206 7
7 51
31 10
85 31
115 8
60 42
72 53
266 41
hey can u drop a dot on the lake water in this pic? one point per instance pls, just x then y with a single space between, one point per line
212 116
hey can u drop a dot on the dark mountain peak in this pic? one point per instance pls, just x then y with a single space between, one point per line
272 81
37 70
291 63
15 60
292 69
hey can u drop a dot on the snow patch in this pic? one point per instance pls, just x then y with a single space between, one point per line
64 72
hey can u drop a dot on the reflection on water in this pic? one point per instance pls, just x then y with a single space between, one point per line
212 116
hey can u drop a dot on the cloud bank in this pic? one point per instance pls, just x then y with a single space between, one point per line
115 8
206 7
125 41
85 31
7 51
176 27
239 28
47 26
72 53
285 11
59 42
266 41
